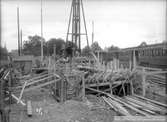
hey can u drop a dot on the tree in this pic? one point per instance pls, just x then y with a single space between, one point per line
95 47
33 46
86 51
113 48
59 43
3 53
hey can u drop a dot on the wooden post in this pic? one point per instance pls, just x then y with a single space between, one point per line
131 88
18 29
134 59
114 63
144 81
54 52
83 87
130 63
62 91
55 88
29 108
117 60
98 57
111 88
166 83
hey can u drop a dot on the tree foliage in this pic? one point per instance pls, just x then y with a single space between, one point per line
95 47
113 48
3 53
86 51
33 46
58 43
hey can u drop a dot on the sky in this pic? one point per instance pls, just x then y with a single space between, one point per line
122 23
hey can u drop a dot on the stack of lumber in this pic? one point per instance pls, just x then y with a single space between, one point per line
132 105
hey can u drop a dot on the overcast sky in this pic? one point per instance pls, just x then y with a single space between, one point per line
123 23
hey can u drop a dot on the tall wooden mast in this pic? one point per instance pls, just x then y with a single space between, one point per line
41 33
75 23
18 30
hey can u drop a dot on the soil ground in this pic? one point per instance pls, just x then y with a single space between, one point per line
46 109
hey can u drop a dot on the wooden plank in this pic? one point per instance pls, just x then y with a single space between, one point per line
100 84
120 107
28 81
141 107
18 99
131 87
143 82
37 77
162 110
21 94
39 80
126 104
145 105
62 91
129 106
113 107
41 85
166 82
139 119
83 88
152 72
149 68
153 101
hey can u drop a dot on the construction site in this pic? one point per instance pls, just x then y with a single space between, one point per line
130 87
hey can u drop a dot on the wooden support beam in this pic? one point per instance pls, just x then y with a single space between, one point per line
140 119
39 80
166 83
62 91
32 80
21 94
41 85
131 87
114 107
38 77
144 82
134 59
100 84
130 64
139 103
111 91
18 100
129 106
143 104
126 104
152 72
153 101
120 107
83 88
